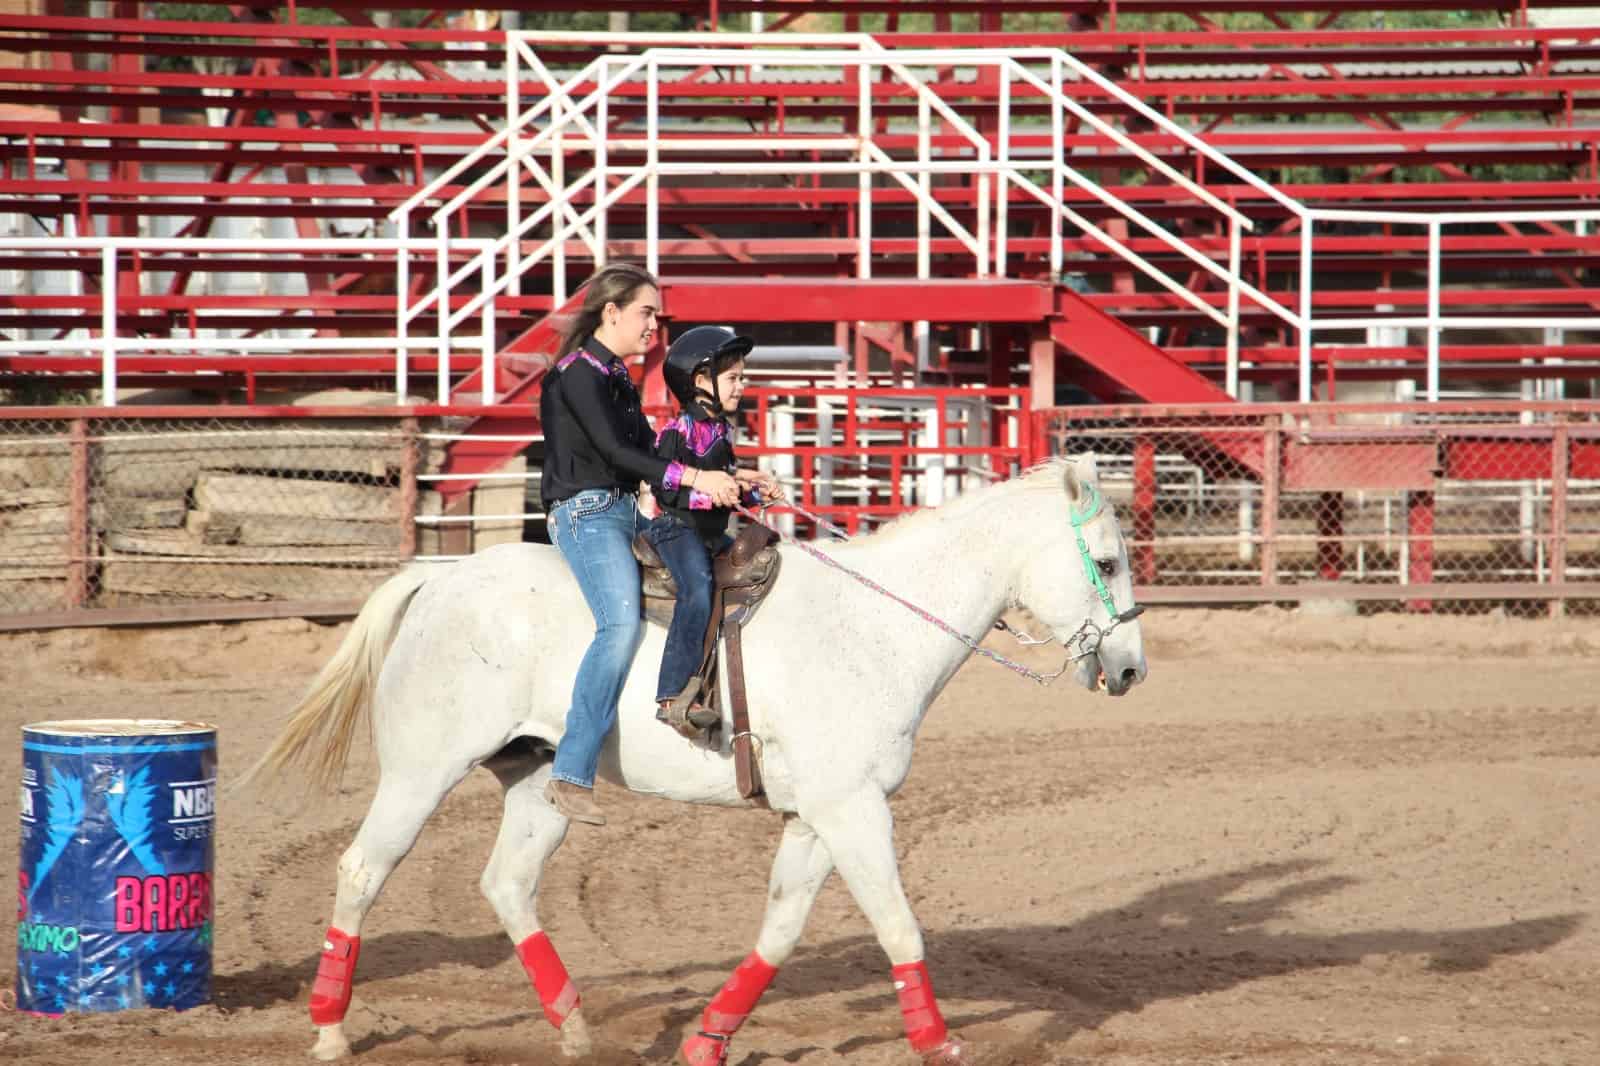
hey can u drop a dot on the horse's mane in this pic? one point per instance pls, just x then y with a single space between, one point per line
1046 475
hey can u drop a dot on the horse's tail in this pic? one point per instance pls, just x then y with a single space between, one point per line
323 724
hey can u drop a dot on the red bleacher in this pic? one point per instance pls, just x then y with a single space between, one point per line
132 126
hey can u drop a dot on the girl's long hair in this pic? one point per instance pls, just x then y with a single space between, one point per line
617 283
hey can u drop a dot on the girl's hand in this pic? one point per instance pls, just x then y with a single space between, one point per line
723 490
771 491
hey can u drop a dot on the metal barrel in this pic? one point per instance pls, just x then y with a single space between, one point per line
114 900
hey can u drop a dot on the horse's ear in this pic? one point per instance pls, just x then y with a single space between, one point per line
1080 475
1072 481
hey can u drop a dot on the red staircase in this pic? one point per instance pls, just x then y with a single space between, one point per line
1119 359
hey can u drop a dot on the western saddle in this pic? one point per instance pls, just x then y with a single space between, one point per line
743 575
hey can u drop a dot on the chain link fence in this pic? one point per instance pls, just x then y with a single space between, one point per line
116 514
1447 507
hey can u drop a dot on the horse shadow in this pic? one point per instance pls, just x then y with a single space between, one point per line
1182 939
389 955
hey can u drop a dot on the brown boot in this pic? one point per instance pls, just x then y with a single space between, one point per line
574 801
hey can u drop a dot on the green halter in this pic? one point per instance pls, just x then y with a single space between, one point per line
1090 509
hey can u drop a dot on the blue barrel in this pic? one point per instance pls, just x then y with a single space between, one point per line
114 888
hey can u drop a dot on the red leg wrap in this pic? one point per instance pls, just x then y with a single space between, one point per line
556 991
727 1011
924 1024
330 993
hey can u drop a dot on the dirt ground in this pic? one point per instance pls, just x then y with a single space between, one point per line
1304 840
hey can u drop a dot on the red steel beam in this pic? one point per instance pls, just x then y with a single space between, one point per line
1040 38
849 299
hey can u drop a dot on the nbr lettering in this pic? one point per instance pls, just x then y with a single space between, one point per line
193 802
163 902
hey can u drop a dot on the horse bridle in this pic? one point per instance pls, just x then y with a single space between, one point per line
1090 635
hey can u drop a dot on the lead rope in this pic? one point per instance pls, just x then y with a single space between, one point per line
1083 635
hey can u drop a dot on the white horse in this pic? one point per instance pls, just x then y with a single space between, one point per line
471 664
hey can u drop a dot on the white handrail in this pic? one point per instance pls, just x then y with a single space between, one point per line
430 190
872 158
1182 180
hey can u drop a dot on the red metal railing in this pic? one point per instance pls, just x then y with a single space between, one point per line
862 456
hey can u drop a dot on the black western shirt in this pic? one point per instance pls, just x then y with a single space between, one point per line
595 433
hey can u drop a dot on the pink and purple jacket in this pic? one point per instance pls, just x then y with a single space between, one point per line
696 438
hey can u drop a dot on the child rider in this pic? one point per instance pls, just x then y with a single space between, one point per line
705 371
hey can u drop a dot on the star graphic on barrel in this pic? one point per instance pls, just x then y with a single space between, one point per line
159 969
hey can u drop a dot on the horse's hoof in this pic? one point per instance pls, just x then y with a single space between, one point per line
575 1042
950 1053
330 1044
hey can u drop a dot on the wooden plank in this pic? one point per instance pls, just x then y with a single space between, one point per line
151 464
162 615
31 464
27 572
37 540
157 465
34 496
252 494
139 512
181 542
45 518
145 576
263 531
357 453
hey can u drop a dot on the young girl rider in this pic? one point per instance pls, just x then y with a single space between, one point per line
705 371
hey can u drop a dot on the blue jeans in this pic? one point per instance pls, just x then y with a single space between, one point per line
689 559
594 532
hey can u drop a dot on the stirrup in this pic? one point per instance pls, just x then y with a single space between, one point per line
685 713
689 720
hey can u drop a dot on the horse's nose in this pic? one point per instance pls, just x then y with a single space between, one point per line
1130 676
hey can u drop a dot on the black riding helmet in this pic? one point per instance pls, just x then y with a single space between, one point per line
704 349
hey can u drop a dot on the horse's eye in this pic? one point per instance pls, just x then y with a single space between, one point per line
1108 567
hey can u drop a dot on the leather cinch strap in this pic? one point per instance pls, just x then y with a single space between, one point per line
746 770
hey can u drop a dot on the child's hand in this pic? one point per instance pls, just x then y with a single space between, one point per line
771 491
